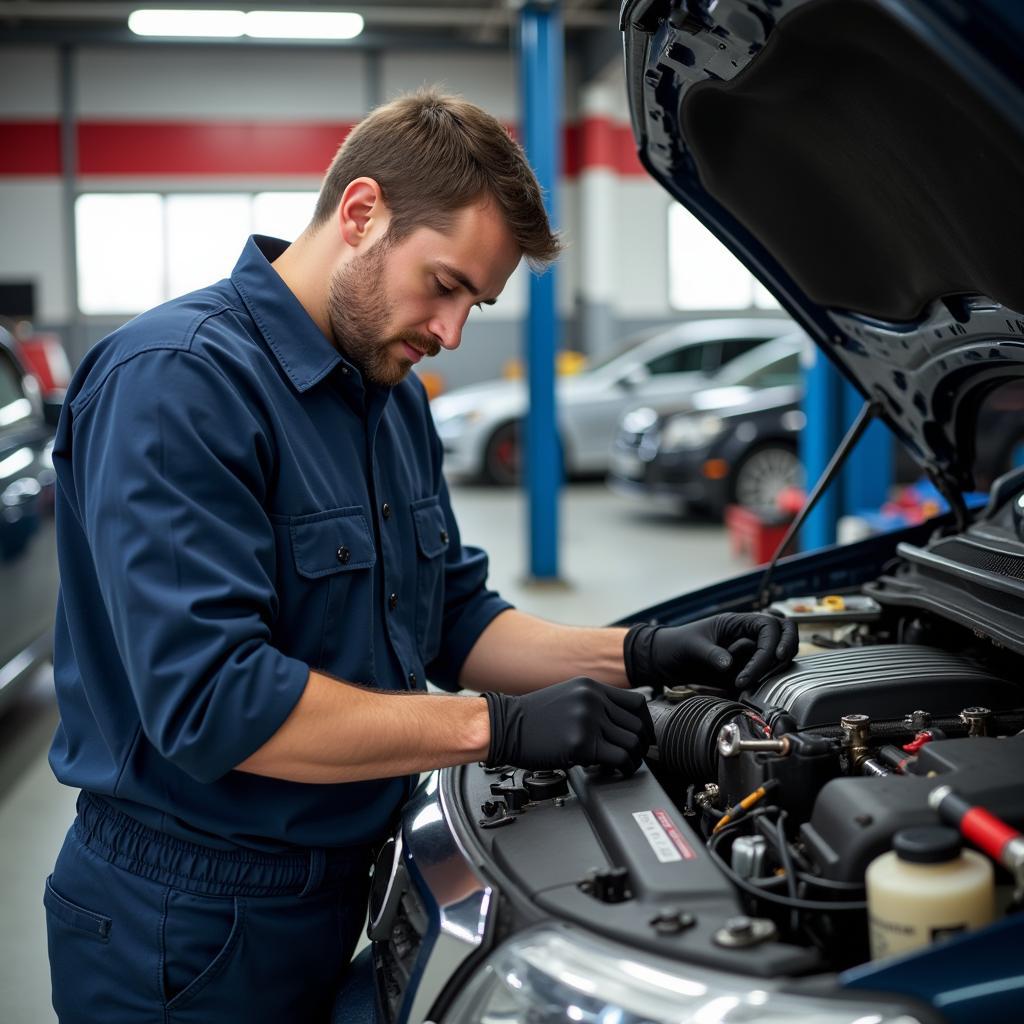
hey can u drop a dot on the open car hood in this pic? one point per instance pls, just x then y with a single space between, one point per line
865 159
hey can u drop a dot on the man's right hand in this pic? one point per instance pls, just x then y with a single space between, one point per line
579 722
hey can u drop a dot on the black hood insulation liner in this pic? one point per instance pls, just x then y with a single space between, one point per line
879 179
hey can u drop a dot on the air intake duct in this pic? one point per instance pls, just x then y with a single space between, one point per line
687 734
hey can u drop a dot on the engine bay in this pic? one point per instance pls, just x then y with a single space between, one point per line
746 841
780 834
800 784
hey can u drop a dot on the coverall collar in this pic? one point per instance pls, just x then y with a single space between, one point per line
305 355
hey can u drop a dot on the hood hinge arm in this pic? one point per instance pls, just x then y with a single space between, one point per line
867 413
952 495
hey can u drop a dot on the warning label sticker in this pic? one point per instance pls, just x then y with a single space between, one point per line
663 837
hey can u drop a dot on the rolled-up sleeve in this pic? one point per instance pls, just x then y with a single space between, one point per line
171 467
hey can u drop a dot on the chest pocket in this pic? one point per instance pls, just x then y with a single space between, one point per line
336 549
431 545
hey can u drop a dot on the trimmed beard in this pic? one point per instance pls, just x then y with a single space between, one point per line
359 311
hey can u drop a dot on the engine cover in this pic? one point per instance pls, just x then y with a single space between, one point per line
883 681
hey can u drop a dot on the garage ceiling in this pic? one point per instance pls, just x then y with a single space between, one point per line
390 24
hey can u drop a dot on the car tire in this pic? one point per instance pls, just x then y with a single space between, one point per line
763 473
503 456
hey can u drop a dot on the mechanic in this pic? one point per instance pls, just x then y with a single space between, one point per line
259 570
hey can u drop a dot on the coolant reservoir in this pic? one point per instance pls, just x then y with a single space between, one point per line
926 888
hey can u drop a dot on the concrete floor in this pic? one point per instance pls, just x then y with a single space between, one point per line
616 556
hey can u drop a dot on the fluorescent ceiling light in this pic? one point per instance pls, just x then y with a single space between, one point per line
302 24
224 24
258 24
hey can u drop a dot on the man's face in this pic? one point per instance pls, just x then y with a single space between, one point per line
396 303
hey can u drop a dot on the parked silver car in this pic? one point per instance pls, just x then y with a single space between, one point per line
734 441
480 424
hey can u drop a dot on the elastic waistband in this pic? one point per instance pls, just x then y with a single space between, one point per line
125 842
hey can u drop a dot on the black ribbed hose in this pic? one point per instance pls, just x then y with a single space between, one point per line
687 734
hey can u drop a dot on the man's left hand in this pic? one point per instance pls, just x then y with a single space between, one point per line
737 649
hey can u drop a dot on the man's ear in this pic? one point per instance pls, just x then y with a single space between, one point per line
361 212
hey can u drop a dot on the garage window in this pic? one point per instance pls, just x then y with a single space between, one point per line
136 250
703 274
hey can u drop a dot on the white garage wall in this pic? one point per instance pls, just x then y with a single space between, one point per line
641 243
31 226
33 249
204 84
489 80
29 83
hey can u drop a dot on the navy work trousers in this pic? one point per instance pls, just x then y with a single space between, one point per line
148 929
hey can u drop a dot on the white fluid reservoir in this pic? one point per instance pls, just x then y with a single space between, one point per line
925 889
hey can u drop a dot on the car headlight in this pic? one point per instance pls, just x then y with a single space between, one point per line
636 421
688 431
555 975
456 420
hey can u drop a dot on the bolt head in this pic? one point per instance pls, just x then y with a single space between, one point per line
741 931
672 920
729 740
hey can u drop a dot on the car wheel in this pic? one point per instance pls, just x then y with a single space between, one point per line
503 456
765 472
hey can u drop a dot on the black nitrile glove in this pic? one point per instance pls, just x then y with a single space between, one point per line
730 648
579 721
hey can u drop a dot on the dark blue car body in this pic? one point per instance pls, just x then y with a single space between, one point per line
28 554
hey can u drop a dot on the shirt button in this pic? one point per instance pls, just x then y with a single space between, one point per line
344 555
385 510
412 678
393 602
344 370
444 536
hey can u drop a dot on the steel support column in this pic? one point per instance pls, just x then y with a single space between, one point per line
74 338
541 86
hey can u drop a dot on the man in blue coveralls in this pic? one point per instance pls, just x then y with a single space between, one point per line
259 570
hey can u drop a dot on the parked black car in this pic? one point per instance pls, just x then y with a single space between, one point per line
28 553
734 442
737 441
865 159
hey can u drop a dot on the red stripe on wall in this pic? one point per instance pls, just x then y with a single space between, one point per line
29 148
601 142
259 148
195 147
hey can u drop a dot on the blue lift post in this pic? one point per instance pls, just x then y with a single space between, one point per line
823 407
831 404
541 82
868 472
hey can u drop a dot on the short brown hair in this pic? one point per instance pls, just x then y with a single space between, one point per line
432 155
